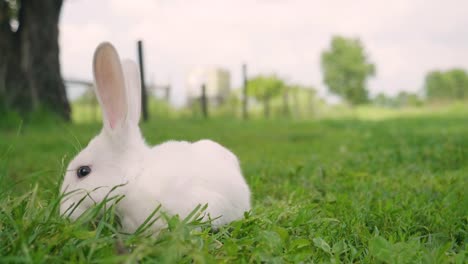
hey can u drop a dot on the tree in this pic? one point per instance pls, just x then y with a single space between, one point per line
436 85
383 100
264 88
402 99
30 75
459 82
303 99
448 85
407 99
346 68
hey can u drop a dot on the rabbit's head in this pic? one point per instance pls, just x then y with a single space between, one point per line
112 158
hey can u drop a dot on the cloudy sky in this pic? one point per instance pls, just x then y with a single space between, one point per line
404 38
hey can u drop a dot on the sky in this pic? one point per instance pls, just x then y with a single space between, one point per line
404 38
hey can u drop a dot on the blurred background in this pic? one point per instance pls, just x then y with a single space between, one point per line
297 59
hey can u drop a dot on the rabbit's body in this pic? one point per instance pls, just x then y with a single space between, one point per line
177 175
180 175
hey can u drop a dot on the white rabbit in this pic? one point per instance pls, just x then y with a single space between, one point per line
177 175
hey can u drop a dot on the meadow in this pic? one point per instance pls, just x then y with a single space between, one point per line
360 188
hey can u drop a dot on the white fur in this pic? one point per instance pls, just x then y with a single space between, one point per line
177 175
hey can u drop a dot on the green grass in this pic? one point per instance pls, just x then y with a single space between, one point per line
364 190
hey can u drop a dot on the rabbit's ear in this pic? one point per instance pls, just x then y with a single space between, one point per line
110 85
133 86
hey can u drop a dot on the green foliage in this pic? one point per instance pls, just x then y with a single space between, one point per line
403 99
448 85
330 191
302 103
88 97
408 99
264 88
12 121
86 109
346 68
231 107
261 87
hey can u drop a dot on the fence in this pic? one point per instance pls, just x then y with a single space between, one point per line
89 107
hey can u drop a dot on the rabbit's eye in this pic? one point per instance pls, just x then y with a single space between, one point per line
83 171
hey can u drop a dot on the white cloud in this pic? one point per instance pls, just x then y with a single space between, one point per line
404 38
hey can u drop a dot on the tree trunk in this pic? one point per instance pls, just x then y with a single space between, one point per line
5 38
40 55
204 101
14 94
18 92
29 59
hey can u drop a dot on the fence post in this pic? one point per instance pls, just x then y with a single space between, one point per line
168 93
204 101
144 97
245 114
